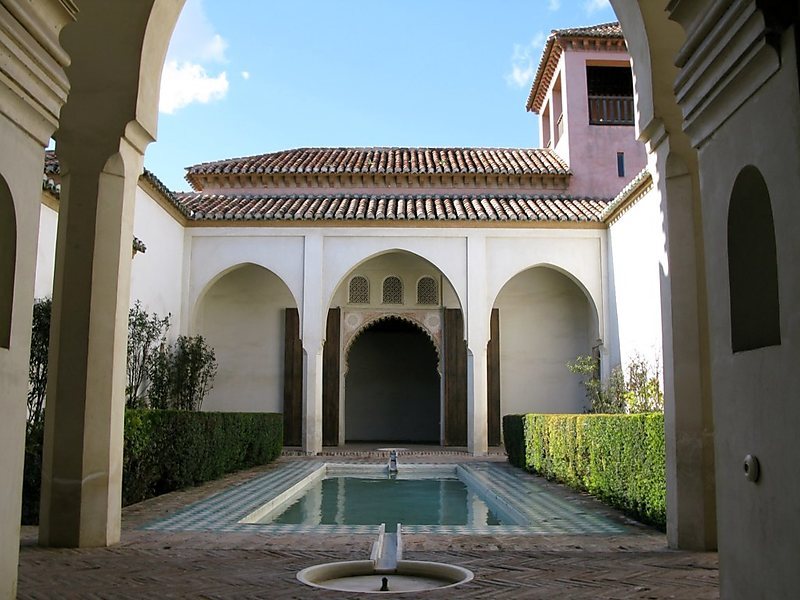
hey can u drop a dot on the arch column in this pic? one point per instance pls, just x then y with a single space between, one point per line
688 418
82 460
312 327
33 89
477 331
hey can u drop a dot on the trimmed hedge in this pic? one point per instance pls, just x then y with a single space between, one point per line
166 450
618 458
169 450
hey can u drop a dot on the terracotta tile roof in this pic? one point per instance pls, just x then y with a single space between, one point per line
423 207
634 187
390 161
602 35
602 30
51 162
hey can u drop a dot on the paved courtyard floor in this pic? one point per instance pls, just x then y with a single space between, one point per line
152 563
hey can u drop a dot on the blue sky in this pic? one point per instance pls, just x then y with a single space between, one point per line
251 76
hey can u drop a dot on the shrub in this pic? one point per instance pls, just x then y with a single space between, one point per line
170 450
194 367
182 374
618 458
145 333
37 365
638 390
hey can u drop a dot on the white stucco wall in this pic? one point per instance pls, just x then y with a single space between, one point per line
46 252
157 274
754 392
242 318
545 321
637 262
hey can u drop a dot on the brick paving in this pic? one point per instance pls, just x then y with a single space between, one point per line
156 564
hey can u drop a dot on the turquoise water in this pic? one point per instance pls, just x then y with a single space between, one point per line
362 501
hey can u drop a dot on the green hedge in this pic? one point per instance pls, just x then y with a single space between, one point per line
618 458
169 450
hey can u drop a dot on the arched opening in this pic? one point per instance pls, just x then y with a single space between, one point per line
545 321
350 319
392 385
8 261
752 265
243 317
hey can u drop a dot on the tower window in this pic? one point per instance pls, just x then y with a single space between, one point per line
610 91
621 164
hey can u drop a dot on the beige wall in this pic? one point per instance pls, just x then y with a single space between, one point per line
46 252
637 262
157 274
242 318
756 408
545 321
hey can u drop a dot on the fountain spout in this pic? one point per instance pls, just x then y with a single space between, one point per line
393 461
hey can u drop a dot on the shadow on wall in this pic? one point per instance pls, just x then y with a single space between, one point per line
8 259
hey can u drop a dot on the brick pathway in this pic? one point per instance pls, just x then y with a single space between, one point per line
153 564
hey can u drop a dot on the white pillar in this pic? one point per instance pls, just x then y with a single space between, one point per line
82 460
477 315
688 419
312 327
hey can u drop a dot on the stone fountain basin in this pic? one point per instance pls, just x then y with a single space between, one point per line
362 576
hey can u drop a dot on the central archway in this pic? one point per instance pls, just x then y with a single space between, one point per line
393 386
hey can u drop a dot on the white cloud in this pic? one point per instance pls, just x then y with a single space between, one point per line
185 83
524 61
593 6
187 77
245 75
554 5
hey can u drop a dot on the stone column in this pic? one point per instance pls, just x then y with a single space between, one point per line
82 461
312 329
477 316
21 164
688 419
33 89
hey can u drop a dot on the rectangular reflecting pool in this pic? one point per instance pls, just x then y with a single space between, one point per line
317 497
363 500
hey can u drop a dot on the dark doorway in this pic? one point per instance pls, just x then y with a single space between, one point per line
392 388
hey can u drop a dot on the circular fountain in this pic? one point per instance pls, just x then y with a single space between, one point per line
385 571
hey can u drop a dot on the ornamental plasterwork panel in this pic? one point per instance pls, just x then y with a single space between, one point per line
356 321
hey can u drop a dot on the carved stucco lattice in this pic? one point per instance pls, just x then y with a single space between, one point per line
356 322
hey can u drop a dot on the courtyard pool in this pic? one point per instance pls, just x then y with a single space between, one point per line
472 498
371 499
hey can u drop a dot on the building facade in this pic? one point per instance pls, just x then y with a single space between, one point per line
717 101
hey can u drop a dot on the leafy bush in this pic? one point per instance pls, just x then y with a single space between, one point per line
145 333
636 391
618 458
182 374
194 366
37 365
170 450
